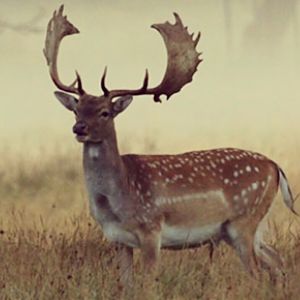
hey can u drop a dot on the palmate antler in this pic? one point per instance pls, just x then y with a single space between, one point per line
58 28
183 59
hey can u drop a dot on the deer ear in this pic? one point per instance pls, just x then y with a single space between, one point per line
121 104
66 100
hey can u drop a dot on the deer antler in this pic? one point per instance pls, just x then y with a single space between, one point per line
58 28
183 60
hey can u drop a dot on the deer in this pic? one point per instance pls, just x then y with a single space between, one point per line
154 202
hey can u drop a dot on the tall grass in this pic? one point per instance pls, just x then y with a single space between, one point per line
50 248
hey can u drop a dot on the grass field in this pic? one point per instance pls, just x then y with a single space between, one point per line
50 248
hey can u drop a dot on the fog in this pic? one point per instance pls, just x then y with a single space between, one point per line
247 86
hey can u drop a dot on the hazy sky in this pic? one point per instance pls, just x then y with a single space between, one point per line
234 91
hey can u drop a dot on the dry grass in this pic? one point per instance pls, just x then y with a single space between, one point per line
51 249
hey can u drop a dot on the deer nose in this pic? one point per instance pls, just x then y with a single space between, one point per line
80 128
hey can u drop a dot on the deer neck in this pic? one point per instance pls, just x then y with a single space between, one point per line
105 172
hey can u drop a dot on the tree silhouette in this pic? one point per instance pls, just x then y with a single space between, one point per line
266 32
30 26
271 21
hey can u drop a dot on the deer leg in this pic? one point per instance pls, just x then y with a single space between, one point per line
242 241
269 260
150 250
125 266
211 248
269 257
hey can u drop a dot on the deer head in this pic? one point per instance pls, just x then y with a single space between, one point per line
95 114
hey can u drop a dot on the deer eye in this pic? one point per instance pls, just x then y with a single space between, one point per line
104 114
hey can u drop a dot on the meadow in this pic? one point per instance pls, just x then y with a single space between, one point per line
50 248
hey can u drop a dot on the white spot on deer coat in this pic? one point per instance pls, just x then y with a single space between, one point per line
236 198
152 165
212 164
248 169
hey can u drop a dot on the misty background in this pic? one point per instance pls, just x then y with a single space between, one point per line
247 88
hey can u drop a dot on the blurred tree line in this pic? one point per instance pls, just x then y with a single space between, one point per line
264 35
32 25
271 21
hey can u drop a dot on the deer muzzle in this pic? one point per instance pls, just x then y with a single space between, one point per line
80 128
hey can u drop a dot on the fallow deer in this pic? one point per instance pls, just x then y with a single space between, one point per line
167 201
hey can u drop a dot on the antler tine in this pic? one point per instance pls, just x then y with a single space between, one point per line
183 60
177 19
79 84
58 28
196 40
145 82
103 87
